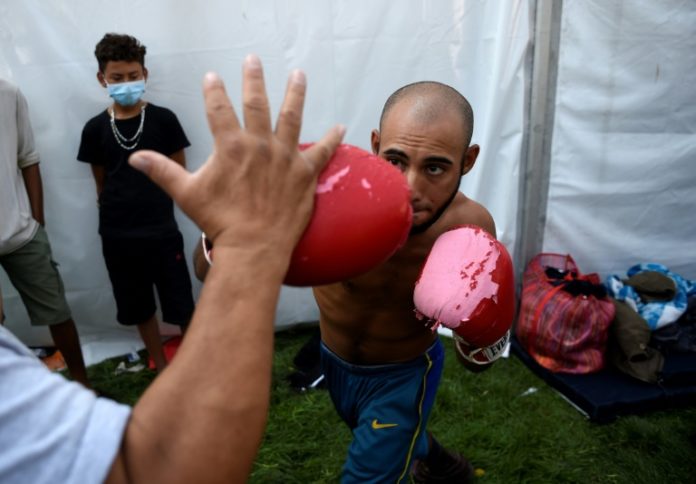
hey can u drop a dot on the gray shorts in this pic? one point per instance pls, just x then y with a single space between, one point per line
33 272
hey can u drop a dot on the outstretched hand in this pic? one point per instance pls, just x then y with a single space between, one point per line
253 197
256 187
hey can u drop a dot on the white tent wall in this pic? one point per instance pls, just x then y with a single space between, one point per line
355 53
623 156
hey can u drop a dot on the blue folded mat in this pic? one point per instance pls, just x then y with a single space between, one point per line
604 395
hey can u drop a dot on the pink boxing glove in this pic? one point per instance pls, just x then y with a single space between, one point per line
467 284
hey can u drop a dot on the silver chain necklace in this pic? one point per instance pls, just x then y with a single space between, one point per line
122 140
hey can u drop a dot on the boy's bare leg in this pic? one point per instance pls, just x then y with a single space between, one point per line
149 333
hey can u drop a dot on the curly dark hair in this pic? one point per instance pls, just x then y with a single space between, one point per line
119 47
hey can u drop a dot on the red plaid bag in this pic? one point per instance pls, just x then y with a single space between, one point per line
564 315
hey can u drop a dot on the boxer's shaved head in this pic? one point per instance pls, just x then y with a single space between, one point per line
431 99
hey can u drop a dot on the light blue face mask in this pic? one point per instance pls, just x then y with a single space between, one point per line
127 93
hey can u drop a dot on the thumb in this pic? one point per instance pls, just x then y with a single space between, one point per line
320 152
168 174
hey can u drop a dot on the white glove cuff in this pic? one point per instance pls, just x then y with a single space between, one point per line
481 356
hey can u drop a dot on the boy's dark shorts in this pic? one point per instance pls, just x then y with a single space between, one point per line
135 265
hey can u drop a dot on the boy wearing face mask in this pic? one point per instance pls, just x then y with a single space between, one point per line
141 242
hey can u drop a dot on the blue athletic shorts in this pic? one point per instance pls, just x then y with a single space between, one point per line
387 408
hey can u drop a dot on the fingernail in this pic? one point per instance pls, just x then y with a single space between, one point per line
298 77
139 162
211 77
341 128
252 61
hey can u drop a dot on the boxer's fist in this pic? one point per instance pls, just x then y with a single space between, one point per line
362 215
467 285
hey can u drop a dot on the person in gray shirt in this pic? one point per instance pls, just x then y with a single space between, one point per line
25 251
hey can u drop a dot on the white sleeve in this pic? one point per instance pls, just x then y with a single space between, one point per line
26 148
52 430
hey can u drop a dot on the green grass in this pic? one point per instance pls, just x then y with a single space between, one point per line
513 438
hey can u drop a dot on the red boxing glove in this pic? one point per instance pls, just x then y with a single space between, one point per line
362 215
467 284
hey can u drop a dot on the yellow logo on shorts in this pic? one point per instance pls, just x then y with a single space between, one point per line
376 425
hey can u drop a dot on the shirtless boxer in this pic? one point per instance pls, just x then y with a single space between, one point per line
382 364
369 322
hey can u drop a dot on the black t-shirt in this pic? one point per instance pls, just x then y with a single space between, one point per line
131 205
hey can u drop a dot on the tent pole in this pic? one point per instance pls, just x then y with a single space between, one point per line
536 148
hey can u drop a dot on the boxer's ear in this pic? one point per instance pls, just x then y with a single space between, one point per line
469 158
374 139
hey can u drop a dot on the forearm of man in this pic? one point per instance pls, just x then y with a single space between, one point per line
32 181
98 173
219 380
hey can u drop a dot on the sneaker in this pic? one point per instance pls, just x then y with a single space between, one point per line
460 471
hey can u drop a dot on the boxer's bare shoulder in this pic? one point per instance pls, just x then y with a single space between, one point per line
370 319
464 211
